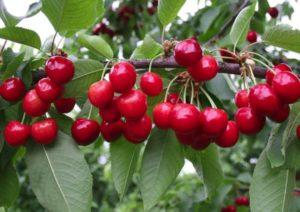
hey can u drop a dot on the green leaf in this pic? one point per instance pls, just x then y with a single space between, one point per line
168 9
64 122
21 35
283 36
222 87
148 50
59 175
124 157
161 164
13 65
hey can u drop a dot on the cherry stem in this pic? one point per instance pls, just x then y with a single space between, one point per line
104 70
151 62
250 45
192 92
262 57
90 112
163 35
262 63
3 47
169 86
53 42
185 90
198 103
251 74
212 103
23 118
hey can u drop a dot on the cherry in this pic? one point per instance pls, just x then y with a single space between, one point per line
263 99
278 68
65 105
242 200
229 208
110 113
298 132
12 89
205 69
215 121
85 131
201 141
100 27
101 93
186 138
252 36
111 131
45 131
187 52
122 77
16 133
47 90
132 105
173 98
229 137
241 98
281 115
273 12
33 105
151 84
137 131
151 10
225 53
161 115
60 69
248 121
287 86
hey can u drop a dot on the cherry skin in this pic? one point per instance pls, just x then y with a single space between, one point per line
111 131
47 90
215 121
161 115
101 93
33 105
205 69
252 36
12 89
248 122
65 105
137 131
16 133
287 86
229 137
273 12
185 138
229 208
241 98
132 105
151 84
242 200
45 131
225 53
281 115
201 141
298 132
278 68
173 98
122 77
85 131
60 69
110 113
187 52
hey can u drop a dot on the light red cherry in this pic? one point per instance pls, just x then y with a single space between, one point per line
298 131
252 36
173 98
85 131
273 12
111 131
281 115
215 121
48 90
249 122
278 68
161 115
60 69
229 208
187 52
241 98
12 89
101 93
229 137
242 200
201 141
33 105
45 131
16 133
151 84
110 113
65 105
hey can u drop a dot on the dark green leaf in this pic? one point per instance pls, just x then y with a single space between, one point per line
13 66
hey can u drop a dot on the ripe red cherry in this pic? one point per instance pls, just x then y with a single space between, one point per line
65 105
215 121
252 36
248 122
273 12
60 69
242 200
137 131
278 68
122 77
33 105
201 141
229 137
101 93
187 52
173 98
161 115
229 208
185 138
110 113
47 90
241 98
298 132
287 86
16 133
263 99
132 105
85 131
151 84
45 131
281 115
205 69
12 89
111 131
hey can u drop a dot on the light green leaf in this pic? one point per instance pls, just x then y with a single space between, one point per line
168 9
221 86
148 50
59 176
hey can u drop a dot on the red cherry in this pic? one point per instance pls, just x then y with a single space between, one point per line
186 138
122 77
45 131
298 132
111 131
248 121
60 69
201 141
241 98
47 90
173 98
65 105
215 121
110 113
151 10
242 200
252 36
229 137
205 69
187 52
33 105
12 89
263 99
225 53
85 131
132 105
101 93
229 208
137 131
281 115
278 68
287 86
16 133
161 115
273 12
151 84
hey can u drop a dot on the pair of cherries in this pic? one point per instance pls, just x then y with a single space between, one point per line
240 201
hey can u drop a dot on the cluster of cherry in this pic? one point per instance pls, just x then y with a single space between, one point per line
239 201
